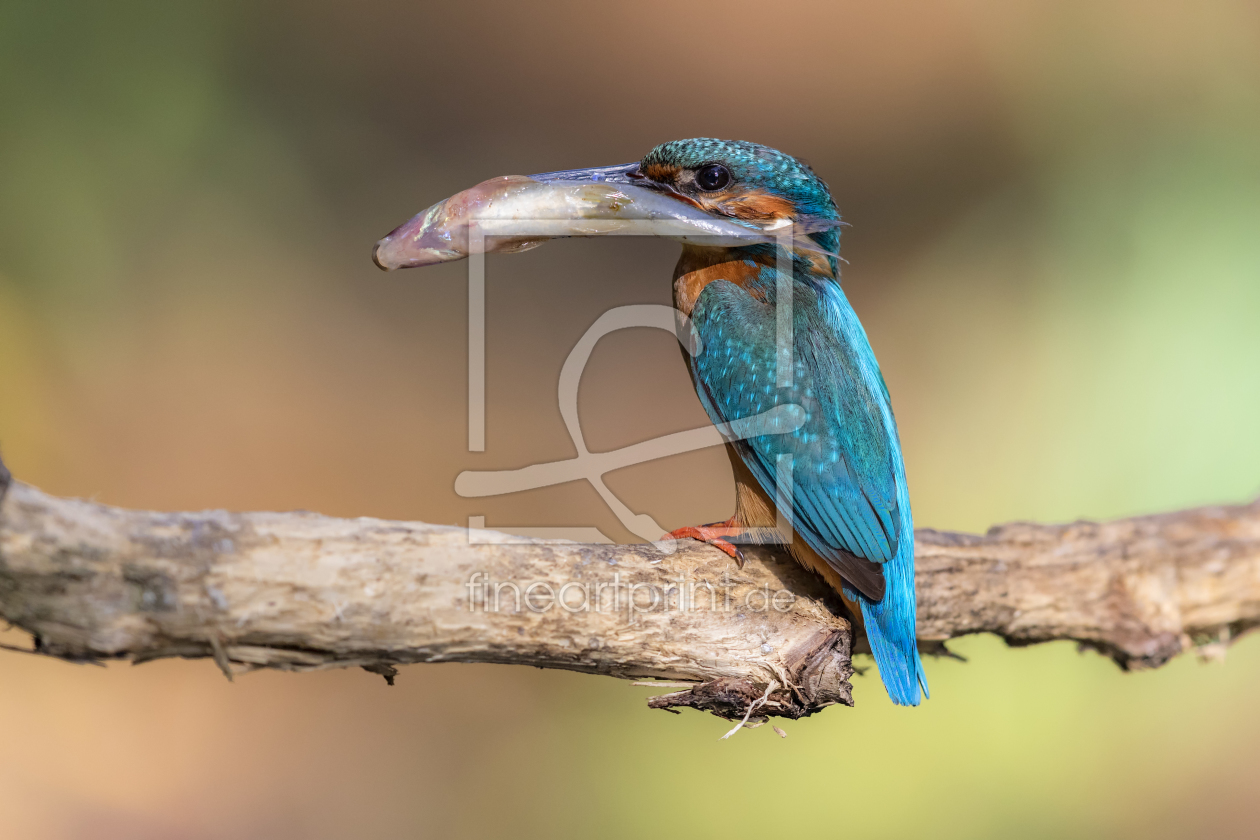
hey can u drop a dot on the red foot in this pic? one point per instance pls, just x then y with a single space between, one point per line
713 535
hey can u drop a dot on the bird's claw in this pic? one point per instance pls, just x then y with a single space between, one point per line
713 535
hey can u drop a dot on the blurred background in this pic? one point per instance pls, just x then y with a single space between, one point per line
1055 248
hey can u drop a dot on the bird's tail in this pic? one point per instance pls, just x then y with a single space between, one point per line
890 629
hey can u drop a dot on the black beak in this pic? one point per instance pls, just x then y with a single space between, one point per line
622 173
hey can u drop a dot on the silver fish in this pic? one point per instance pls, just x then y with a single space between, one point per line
514 213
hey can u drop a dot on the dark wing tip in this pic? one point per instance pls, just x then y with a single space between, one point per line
866 576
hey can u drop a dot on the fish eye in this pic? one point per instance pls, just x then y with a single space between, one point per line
713 177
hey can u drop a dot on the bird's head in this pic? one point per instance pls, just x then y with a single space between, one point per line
742 180
733 179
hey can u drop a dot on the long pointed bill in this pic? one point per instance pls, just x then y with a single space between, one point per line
514 213
622 173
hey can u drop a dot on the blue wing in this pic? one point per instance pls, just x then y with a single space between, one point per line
844 477
849 498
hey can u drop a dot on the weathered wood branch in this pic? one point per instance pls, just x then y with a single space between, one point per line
299 591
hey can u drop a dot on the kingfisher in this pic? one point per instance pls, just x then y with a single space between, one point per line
845 513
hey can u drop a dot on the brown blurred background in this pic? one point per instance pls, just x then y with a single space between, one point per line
1055 247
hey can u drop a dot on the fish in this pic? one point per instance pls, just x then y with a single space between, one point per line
515 213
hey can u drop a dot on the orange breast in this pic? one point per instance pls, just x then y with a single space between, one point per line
698 267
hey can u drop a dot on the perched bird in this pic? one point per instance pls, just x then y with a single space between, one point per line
849 514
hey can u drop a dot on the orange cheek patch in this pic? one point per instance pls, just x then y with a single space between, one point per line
662 173
758 207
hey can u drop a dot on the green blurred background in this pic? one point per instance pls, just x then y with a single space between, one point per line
1055 249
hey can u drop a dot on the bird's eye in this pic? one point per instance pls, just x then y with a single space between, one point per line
713 177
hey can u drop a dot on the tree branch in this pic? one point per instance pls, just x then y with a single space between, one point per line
299 591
